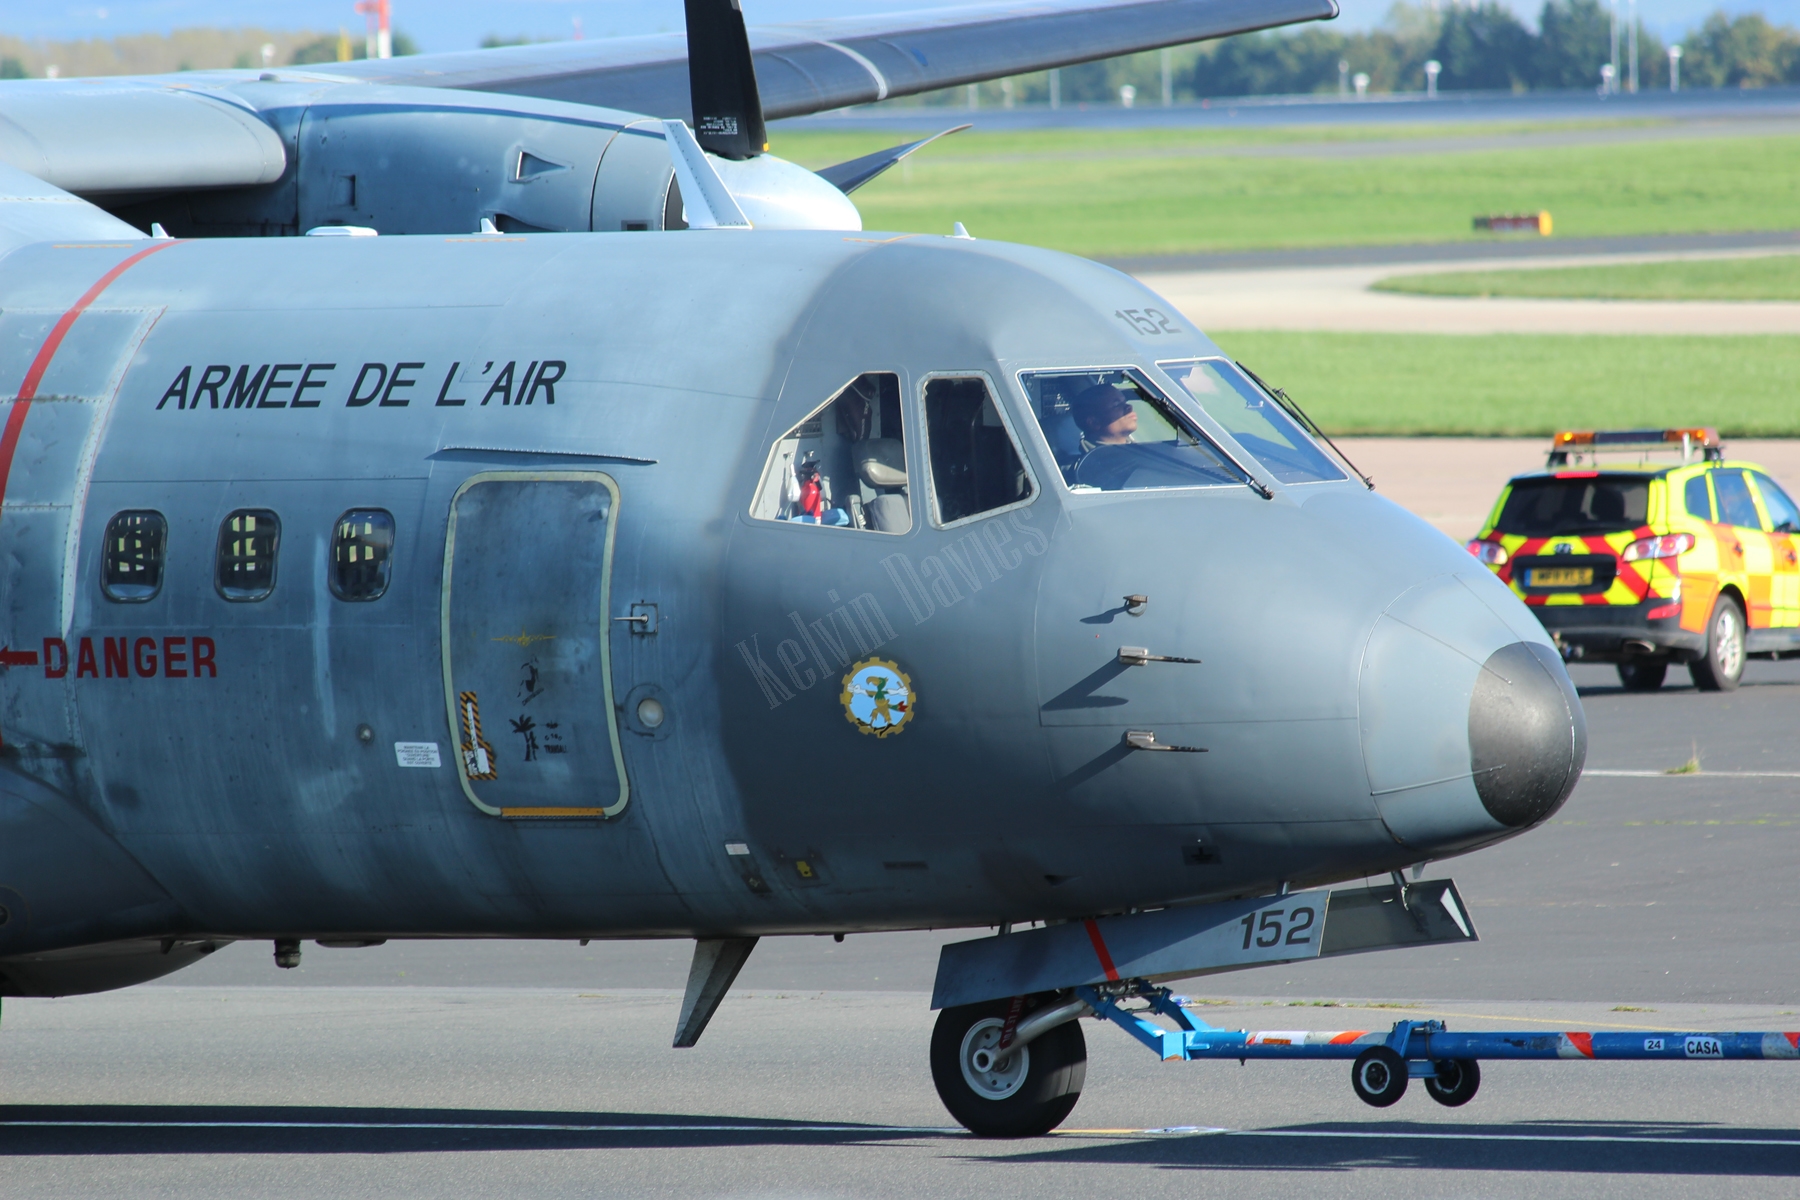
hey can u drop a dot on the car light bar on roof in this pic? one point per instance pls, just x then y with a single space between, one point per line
1574 445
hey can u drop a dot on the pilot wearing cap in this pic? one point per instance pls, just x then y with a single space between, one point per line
1104 416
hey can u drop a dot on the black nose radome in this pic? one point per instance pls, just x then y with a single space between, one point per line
1527 734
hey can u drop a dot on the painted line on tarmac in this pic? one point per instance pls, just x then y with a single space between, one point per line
1696 774
1558 1138
936 1130
479 1127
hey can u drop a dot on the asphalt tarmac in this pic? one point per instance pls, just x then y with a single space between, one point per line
1651 901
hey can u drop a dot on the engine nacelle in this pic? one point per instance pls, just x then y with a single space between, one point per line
429 161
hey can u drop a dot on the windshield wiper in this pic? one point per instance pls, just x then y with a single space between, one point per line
1307 423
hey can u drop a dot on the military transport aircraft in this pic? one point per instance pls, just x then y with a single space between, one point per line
409 532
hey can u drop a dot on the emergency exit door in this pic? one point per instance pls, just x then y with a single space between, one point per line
527 663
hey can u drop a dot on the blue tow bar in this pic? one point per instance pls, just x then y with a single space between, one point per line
1423 1044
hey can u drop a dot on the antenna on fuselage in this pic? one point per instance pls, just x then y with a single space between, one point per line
728 116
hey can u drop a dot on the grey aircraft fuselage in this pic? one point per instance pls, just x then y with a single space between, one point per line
193 767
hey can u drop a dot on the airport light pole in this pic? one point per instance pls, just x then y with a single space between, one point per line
1631 41
1343 77
1431 73
1168 79
1611 75
381 39
1055 88
1675 67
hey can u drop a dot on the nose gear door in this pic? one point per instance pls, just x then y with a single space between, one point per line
527 666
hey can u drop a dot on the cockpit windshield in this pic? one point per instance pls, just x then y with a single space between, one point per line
1110 431
1254 418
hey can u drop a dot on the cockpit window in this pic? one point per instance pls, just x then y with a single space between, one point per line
1253 417
844 465
975 467
1109 431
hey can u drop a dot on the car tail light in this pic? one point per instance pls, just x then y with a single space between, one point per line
1667 546
1491 553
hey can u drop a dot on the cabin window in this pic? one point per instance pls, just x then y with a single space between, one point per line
1783 516
131 563
1698 499
1735 505
1550 505
1109 431
362 554
844 465
1255 419
245 565
975 465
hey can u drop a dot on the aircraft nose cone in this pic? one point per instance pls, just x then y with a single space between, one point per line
1470 726
1527 734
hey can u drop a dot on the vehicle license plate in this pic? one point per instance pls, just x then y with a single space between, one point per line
1559 576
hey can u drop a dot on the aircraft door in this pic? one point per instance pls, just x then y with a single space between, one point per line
527 666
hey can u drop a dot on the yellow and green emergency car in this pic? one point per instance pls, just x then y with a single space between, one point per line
1646 563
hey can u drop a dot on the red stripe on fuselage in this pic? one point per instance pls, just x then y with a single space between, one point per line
1100 950
15 418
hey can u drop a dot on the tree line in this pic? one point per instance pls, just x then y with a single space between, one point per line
1479 44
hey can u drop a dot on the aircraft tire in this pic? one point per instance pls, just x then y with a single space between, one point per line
1720 668
1643 674
1456 1082
1379 1076
1023 1094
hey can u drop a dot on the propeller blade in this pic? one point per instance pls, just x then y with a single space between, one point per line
848 176
728 115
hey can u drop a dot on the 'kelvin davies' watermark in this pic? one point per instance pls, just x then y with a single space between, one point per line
957 570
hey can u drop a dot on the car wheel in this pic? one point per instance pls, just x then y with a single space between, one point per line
1643 674
1723 665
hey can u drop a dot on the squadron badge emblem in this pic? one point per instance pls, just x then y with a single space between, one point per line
878 697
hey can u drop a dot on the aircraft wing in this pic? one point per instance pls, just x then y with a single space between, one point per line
820 65
122 136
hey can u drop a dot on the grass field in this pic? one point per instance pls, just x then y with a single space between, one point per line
1144 192
1524 384
1776 277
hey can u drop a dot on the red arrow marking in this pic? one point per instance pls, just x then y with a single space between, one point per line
17 658
15 416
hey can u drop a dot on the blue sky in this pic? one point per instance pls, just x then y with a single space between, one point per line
460 24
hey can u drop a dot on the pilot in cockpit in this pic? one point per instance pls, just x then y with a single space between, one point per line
1105 417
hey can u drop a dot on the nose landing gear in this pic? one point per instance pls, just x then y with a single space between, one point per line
1005 1091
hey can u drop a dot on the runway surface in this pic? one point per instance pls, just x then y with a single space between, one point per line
1505 249
1453 482
1340 298
349 1093
1448 108
459 1069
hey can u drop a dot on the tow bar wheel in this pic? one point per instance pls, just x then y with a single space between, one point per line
1379 1076
1022 1091
1456 1082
